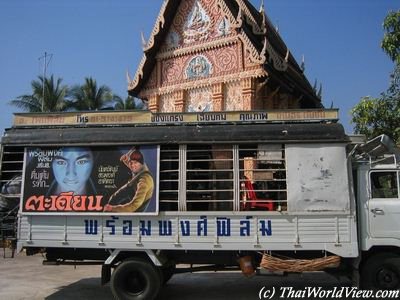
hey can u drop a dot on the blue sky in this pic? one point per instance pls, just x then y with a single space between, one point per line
340 40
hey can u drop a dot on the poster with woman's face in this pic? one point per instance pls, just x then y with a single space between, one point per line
91 179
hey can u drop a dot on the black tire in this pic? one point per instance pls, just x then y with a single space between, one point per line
381 272
135 279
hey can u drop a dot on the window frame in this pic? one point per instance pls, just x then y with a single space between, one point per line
371 184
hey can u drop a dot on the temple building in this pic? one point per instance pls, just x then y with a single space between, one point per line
218 55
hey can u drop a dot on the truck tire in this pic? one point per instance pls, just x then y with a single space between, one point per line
135 279
381 272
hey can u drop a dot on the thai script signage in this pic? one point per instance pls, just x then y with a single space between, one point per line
203 226
146 117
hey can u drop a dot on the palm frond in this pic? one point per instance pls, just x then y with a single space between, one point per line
48 94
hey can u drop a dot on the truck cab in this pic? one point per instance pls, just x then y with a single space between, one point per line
376 168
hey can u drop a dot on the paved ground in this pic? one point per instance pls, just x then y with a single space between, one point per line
26 278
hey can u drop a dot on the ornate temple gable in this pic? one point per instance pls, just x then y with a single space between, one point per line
216 49
203 47
201 26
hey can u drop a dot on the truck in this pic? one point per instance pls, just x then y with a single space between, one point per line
144 194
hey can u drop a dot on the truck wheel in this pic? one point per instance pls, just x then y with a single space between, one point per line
135 280
381 272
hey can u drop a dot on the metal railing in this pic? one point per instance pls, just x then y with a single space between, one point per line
214 177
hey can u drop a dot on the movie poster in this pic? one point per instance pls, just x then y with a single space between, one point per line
108 180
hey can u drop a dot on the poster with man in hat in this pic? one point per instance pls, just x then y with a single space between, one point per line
135 195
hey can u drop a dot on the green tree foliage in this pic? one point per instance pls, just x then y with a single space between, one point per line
126 104
54 99
375 116
391 39
91 97
58 97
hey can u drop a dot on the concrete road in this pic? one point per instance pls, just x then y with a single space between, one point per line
26 278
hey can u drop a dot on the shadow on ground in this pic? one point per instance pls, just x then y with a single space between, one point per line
88 288
211 286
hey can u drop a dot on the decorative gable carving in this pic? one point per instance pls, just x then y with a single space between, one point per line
210 64
167 103
198 21
224 27
200 100
199 66
233 92
197 25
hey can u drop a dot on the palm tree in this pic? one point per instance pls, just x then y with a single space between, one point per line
90 97
128 104
54 99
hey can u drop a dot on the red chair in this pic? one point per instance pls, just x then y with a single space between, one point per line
251 201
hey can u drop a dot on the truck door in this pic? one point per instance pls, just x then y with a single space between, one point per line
384 204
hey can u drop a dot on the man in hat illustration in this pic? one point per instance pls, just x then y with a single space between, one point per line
135 195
